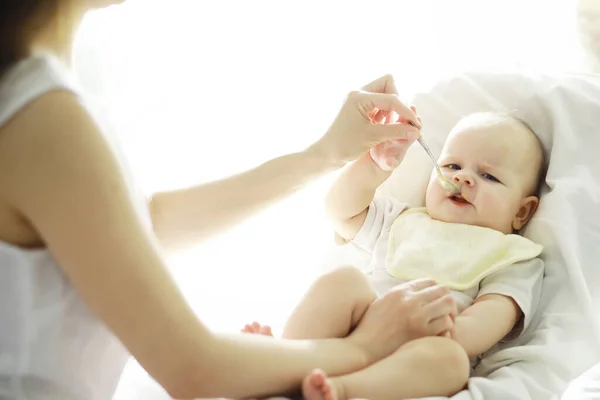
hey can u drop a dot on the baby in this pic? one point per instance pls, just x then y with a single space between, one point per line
465 242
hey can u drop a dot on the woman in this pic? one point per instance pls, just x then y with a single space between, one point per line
83 282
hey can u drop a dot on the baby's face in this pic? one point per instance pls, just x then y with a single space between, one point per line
494 166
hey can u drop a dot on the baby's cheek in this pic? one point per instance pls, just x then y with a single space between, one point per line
428 192
498 211
433 195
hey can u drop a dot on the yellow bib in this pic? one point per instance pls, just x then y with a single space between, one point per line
457 256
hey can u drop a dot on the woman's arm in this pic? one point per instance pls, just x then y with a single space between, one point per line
64 178
184 216
58 172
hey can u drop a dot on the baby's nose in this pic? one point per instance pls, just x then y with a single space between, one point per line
463 178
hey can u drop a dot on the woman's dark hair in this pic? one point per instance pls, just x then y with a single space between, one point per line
20 22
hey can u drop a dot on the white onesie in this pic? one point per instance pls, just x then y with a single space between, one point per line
496 263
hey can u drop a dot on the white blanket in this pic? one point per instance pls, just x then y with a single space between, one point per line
585 387
562 341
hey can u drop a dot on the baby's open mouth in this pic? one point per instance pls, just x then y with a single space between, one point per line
459 198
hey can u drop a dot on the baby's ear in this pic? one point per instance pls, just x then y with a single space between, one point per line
528 206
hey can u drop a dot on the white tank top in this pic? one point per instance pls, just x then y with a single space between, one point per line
51 346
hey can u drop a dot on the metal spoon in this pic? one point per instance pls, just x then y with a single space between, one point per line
446 183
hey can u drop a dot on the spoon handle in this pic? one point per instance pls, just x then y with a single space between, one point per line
446 183
424 145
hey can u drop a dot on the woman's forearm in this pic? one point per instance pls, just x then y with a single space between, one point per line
185 216
242 366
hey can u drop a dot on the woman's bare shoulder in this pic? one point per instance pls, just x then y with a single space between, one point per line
41 126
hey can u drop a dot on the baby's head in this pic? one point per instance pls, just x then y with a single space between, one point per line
498 162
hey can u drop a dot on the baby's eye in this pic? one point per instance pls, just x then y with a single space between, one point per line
489 177
455 167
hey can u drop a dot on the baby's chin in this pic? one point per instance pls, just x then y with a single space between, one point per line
453 215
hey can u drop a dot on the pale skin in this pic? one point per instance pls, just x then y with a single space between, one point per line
63 189
476 158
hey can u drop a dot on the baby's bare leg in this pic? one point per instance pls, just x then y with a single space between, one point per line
332 306
431 366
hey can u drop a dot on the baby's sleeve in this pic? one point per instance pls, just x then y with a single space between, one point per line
523 283
380 215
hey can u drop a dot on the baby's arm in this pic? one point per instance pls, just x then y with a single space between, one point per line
348 199
506 302
491 317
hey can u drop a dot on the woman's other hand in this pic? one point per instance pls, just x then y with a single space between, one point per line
409 311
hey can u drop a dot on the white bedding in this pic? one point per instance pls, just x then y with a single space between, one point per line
585 387
562 341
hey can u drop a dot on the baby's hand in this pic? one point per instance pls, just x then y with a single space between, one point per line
451 318
257 329
388 155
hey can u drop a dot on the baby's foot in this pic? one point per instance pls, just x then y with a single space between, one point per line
317 386
257 329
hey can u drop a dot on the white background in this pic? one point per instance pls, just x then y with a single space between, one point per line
199 90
